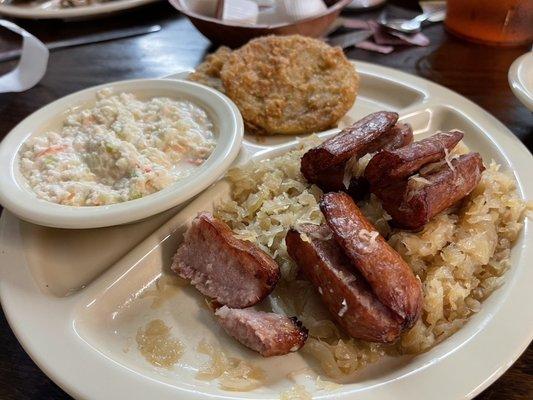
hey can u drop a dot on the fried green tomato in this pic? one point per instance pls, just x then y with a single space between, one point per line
208 72
289 85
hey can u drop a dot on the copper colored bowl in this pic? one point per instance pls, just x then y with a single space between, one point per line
235 35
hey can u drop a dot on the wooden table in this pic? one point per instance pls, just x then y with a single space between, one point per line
477 72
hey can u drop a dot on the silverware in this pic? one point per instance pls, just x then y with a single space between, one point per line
88 39
411 25
349 39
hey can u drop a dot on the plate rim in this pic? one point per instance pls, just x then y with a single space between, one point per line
75 12
526 335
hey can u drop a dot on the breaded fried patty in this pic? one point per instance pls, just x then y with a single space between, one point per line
289 84
208 72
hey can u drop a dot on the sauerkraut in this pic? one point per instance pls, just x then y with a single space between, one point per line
460 256
232 373
297 392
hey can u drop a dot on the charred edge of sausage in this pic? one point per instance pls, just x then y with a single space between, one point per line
330 179
213 304
359 188
301 328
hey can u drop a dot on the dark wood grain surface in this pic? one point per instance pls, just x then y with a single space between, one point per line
475 71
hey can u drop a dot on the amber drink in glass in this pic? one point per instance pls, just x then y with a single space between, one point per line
498 22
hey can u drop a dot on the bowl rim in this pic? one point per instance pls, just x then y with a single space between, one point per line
16 196
338 6
514 76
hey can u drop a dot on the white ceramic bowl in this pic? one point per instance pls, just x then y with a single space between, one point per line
16 196
521 79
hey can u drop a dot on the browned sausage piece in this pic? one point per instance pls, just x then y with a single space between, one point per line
358 189
332 179
402 135
389 166
269 334
389 276
344 292
231 271
349 142
413 203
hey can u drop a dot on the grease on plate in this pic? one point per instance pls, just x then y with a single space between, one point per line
157 346
297 392
166 287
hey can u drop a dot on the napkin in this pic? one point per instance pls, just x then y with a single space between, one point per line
32 65
383 41
239 11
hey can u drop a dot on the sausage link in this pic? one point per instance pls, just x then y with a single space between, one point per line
348 143
413 203
331 179
401 135
389 276
344 292
389 166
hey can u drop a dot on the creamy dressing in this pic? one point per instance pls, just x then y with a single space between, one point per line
121 149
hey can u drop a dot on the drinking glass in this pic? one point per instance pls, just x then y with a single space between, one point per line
498 22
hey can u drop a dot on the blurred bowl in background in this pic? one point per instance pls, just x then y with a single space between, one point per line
521 79
234 35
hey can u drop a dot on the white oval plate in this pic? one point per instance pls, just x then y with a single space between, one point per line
521 79
46 10
16 196
85 341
